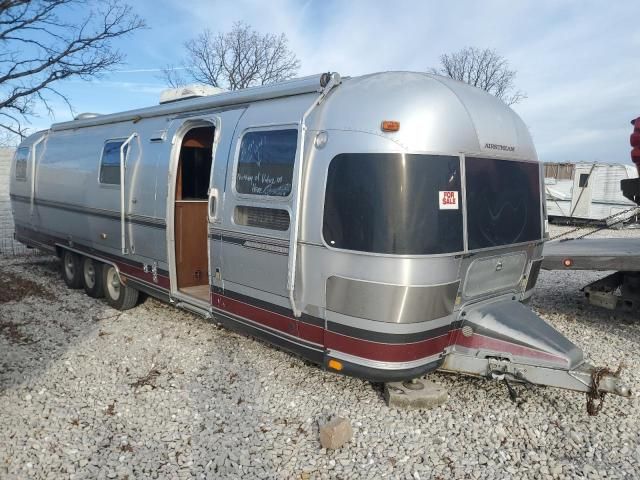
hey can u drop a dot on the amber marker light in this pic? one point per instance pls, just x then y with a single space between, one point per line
567 262
390 126
335 365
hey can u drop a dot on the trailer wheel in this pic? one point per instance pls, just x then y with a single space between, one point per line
119 296
92 277
71 269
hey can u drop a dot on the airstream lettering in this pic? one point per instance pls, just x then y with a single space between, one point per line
368 224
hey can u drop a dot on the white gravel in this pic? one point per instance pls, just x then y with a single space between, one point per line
87 392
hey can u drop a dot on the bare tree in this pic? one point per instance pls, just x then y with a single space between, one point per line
43 42
237 59
173 76
484 69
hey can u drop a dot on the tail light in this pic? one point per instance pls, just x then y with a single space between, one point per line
635 143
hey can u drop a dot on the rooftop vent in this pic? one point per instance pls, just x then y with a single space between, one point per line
188 91
86 115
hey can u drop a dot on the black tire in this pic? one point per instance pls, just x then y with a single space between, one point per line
119 296
71 269
92 277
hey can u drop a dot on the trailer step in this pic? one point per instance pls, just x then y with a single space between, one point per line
203 312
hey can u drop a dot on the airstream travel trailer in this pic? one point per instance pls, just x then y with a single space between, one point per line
381 226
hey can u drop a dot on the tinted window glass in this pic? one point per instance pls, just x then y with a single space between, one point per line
22 155
393 203
265 165
110 164
503 202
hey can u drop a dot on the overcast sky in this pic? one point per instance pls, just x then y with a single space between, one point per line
577 61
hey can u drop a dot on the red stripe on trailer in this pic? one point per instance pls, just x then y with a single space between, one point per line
139 274
311 333
304 331
487 343
259 315
386 352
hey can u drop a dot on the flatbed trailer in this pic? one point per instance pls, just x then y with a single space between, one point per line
620 289
601 254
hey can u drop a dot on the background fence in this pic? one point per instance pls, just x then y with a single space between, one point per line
8 246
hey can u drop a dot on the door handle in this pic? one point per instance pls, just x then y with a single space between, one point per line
212 207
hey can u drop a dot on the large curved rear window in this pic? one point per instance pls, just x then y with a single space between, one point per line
394 203
503 202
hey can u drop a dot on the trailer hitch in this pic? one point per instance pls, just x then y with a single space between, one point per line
595 397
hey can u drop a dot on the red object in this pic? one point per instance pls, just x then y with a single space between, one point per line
635 143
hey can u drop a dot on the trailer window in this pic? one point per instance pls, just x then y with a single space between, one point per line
503 202
22 155
265 163
270 218
110 162
583 182
394 203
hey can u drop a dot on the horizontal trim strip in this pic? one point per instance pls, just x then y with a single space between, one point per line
279 309
218 232
390 338
238 324
286 325
386 352
96 212
259 245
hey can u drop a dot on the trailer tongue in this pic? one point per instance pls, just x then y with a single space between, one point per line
508 341
547 357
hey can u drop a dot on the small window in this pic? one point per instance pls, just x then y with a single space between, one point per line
110 163
584 180
271 218
265 164
22 155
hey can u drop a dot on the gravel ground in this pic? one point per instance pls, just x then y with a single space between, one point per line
88 392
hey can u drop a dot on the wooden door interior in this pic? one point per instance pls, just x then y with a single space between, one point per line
190 222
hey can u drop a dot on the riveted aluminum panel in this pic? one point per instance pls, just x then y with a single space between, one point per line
493 274
390 303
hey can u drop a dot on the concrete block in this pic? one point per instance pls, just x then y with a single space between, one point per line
335 433
399 395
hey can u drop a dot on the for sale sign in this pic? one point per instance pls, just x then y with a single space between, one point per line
448 200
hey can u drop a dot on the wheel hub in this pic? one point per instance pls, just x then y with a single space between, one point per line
113 284
89 274
69 266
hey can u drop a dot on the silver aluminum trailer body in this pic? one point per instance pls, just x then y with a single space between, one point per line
381 226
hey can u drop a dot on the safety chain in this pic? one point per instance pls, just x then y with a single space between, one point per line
595 397
607 225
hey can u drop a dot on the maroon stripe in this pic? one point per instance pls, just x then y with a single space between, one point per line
487 343
311 333
265 317
139 274
305 331
386 352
